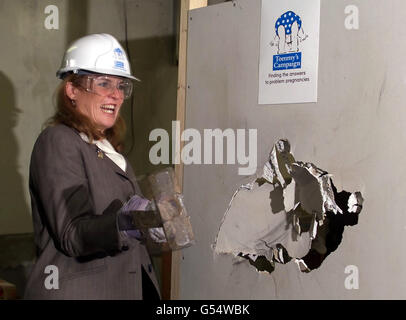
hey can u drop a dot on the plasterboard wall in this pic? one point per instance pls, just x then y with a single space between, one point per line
355 131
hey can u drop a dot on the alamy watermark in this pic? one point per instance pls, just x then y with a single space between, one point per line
52 20
234 139
352 280
351 21
51 282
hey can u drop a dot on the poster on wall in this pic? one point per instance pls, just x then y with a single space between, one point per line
289 51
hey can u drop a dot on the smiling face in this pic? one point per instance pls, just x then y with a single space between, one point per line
101 110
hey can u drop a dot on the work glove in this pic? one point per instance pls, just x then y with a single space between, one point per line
136 216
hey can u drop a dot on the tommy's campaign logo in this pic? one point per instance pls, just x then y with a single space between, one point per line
289 33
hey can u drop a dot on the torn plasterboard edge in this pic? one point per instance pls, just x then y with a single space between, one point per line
288 212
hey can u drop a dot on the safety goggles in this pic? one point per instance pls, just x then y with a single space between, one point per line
106 85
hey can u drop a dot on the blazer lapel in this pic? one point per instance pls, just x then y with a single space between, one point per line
101 155
110 163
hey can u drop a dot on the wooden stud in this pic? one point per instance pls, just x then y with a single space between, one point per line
173 269
194 4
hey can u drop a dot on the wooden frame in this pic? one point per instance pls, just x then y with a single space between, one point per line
171 261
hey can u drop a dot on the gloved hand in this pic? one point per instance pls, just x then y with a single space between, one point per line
134 215
136 203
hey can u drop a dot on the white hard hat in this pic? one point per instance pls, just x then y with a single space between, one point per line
100 53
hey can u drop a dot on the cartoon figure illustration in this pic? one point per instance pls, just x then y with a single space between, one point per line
118 53
289 32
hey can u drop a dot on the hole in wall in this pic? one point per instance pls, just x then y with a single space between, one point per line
292 212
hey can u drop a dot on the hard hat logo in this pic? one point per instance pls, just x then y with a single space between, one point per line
119 65
99 53
119 55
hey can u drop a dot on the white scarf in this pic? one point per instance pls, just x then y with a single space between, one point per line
109 150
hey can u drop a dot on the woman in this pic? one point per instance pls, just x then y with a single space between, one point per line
87 245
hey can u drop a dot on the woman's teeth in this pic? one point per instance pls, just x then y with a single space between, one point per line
108 108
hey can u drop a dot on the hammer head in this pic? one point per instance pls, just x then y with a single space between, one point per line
168 223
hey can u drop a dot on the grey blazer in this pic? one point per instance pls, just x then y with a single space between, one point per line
75 195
